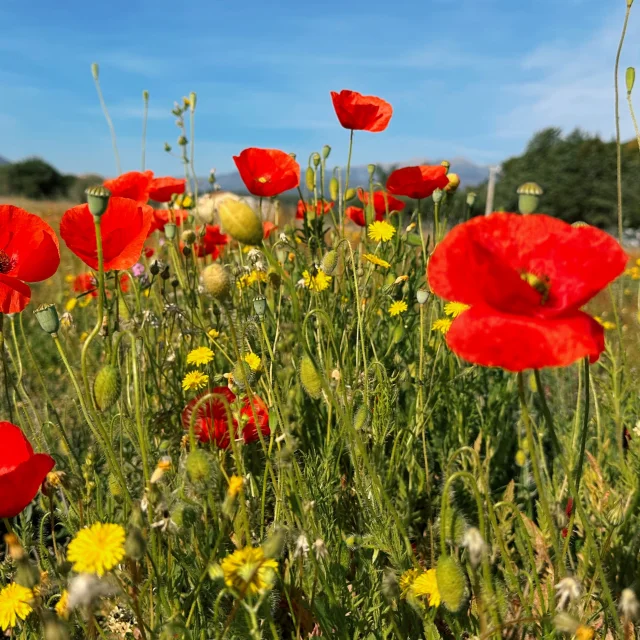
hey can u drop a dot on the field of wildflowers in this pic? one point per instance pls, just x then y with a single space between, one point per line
356 421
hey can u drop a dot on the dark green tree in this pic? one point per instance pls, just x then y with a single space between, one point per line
33 178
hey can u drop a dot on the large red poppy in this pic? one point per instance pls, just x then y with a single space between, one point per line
134 185
382 202
162 216
267 172
417 182
366 113
161 189
525 279
209 244
22 472
211 423
29 252
124 228
321 208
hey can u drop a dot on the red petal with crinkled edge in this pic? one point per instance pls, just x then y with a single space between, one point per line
362 113
133 184
14 294
493 339
20 486
417 182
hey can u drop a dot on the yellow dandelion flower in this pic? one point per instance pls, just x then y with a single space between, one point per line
398 307
235 486
426 585
187 202
97 549
213 334
585 633
71 304
14 605
248 571
251 278
406 582
454 309
62 606
369 257
381 231
194 380
633 273
606 324
442 325
83 336
318 282
201 355
253 361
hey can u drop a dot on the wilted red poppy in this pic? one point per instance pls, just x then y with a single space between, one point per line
365 113
84 283
267 172
382 202
29 252
162 216
124 228
134 185
210 243
22 472
320 208
211 423
268 228
417 182
525 278
161 189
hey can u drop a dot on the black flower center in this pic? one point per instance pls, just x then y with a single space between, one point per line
6 263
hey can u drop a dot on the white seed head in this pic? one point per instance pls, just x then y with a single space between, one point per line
320 549
475 545
568 591
302 547
629 605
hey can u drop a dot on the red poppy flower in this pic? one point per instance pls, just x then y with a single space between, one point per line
210 243
363 113
162 216
211 423
320 208
417 182
84 283
148 251
525 279
124 228
22 472
124 282
134 185
29 252
356 214
161 189
268 228
267 172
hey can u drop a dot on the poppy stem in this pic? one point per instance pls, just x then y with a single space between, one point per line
5 369
585 426
112 130
346 181
145 114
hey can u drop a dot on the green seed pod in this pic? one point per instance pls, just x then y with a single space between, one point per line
452 584
106 387
114 486
216 281
98 200
274 544
243 375
630 78
135 545
333 188
454 526
329 262
398 334
197 466
170 230
309 377
47 317
240 221
350 195
310 178
361 418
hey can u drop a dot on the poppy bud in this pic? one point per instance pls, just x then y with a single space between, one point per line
329 262
47 316
135 544
240 221
145 95
106 387
451 583
95 71
188 237
309 377
216 281
198 466
454 183
192 101
350 194
115 488
184 516
333 188
326 150
167 147
310 178
446 164
437 196
182 141
398 334
186 251
272 548
361 418
371 169
471 198
170 230
98 200
315 159
631 78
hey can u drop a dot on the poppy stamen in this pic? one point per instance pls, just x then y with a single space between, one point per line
6 263
540 283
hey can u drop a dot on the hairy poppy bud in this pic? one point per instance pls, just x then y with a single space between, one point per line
106 387
350 195
329 262
47 316
361 418
333 188
98 200
451 583
115 488
240 221
371 169
216 281
315 158
198 466
309 377
310 178
631 78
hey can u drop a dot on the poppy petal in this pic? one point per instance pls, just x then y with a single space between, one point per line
14 294
267 172
20 486
161 189
134 185
16 449
493 339
358 112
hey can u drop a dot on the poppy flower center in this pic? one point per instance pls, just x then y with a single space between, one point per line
6 263
540 283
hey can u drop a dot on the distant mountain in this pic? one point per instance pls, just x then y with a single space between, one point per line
471 174
4 161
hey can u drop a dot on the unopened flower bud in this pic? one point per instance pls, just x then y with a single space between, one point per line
437 195
216 281
188 237
309 377
197 466
95 71
310 178
329 262
192 100
471 198
326 150
135 545
446 164
350 194
240 221
451 583
106 387
182 141
371 169
98 200
333 188
630 78
167 147
315 158
47 316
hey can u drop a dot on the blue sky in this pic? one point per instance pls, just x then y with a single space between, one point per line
472 78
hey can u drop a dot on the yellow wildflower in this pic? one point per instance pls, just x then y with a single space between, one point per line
83 336
585 633
454 309
606 324
62 606
14 605
71 304
442 325
253 361
406 582
235 486
195 380
369 257
248 571
213 334
97 549
201 355
381 231
318 282
426 585
398 307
